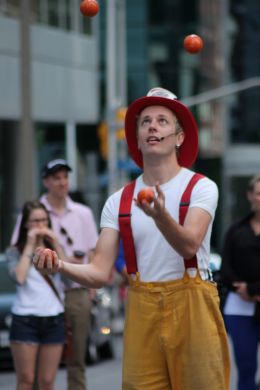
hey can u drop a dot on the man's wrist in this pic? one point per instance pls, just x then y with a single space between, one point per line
60 265
163 219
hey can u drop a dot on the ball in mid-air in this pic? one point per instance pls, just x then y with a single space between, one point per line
193 43
89 7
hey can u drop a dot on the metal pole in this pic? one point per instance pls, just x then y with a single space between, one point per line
122 52
220 92
25 147
122 75
71 152
111 94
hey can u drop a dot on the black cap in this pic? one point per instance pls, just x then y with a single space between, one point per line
55 165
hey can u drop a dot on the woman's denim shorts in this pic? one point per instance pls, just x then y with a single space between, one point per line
38 330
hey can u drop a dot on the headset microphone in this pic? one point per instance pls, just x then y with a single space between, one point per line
162 138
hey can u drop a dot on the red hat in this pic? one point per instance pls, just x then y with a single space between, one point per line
162 97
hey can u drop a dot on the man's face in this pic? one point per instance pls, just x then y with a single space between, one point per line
57 184
155 123
254 197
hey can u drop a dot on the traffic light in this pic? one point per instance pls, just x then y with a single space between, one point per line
119 130
120 119
103 139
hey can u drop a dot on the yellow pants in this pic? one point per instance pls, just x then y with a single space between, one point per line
174 337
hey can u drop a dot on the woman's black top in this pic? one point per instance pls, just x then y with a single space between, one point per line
241 256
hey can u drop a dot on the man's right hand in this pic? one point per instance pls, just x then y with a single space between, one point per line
46 261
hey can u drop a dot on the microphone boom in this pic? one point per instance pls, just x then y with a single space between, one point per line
162 138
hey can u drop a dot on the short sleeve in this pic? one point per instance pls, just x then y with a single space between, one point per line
205 196
109 215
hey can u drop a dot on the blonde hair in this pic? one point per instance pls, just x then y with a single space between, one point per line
252 182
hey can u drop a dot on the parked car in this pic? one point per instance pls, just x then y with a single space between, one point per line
7 294
100 342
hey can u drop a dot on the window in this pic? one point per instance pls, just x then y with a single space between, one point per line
10 8
62 14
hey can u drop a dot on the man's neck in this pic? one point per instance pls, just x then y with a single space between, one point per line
255 223
160 173
58 204
256 218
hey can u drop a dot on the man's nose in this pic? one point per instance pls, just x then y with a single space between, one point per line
152 126
64 182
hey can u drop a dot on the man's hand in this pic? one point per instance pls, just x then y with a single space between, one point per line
155 208
46 261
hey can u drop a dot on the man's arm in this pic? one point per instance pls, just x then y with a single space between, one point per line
185 239
93 275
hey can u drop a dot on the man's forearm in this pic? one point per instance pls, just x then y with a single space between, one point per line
88 275
177 236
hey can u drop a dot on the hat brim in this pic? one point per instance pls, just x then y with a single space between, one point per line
56 168
189 148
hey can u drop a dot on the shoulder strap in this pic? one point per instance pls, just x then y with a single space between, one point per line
126 228
53 287
185 199
184 206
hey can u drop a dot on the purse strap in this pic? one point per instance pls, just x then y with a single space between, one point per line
53 287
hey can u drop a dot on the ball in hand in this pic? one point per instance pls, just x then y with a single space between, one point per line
48 252
89 7
146 194
193 43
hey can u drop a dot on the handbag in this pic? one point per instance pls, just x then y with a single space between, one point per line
68 345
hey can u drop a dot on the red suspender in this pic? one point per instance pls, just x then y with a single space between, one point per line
126 228
125 222
184 205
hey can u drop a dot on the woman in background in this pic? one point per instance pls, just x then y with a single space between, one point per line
37 332
240 272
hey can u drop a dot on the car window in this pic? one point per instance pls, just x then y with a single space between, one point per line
7 285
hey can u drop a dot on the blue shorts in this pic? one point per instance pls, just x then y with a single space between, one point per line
38 330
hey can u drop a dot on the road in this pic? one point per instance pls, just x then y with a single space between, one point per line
100 376
104 375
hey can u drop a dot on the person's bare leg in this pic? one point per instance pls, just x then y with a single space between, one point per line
25 358
48 364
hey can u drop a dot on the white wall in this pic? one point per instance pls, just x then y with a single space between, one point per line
64 74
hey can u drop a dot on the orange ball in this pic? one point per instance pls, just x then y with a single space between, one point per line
146 194
193 43
48 252
89 7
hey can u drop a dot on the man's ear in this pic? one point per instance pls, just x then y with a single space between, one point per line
249 196
180 138
45 182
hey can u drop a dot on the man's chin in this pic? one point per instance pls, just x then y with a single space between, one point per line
62 194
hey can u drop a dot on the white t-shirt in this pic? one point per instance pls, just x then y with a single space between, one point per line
156 259
34 296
